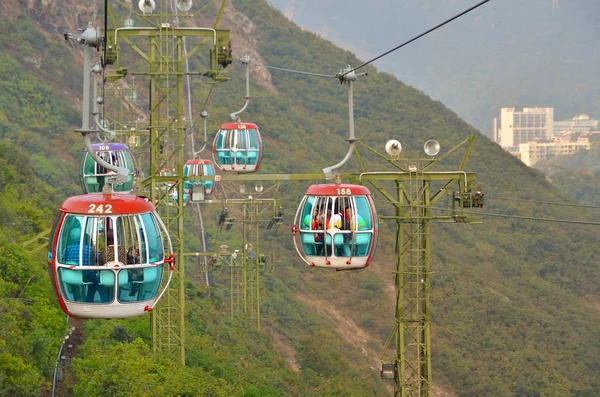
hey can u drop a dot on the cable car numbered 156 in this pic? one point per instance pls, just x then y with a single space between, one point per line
108 256
336 227
238 148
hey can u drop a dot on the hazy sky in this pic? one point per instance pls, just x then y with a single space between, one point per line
505 53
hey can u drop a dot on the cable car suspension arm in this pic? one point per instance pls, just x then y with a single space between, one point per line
346 78
245 61
91 38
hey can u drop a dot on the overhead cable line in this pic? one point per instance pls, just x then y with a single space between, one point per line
517 216
295 71
416 37
207 98
543 202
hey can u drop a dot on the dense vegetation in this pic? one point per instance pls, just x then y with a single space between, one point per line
578 175
514 301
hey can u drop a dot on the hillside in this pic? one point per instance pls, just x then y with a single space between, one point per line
577 175
515 302
510 53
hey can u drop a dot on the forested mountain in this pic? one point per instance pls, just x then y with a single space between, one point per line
516 302
510 53
578 175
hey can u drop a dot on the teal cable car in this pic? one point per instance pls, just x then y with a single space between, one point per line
238 148
336 227
92 175
199 168
110 256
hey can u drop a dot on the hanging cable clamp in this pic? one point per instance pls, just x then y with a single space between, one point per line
348 74
245 59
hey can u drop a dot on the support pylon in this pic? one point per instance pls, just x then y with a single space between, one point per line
413 198
161 47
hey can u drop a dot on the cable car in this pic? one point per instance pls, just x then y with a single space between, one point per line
336 227
92 175
199 168
170 188
108 256
174 195
238 148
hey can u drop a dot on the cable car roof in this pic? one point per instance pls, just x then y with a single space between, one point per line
336 190
239 126
108 146
107 204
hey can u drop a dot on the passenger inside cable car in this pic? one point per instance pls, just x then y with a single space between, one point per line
104 243
337 231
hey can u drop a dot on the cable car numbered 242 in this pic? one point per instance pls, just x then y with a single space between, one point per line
108 254
336 227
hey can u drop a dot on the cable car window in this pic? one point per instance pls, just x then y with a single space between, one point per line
100 234
220 139
88 164
71 250
254 147
307 213
76 248
241 139
123 160
155 246
139 284
230 139
364 214
253 137
119 232
127 238
113 250
88 239
52 236
141 236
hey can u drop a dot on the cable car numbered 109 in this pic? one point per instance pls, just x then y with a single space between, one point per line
108 255
92 175
238 148
336 227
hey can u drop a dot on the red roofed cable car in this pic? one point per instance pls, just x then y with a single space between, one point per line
92 175
238 148
199 168
336 227
108 255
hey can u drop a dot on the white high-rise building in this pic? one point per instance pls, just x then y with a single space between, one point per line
532 124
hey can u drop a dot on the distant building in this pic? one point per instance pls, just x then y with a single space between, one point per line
532 152
531 124
564 136
533 135
581 123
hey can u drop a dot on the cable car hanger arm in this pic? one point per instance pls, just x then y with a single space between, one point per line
346 78
246 61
